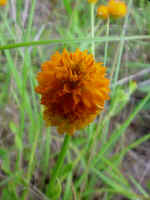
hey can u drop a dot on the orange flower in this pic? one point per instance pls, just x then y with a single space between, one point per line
73 90
3 2
103 12
92 1
117 8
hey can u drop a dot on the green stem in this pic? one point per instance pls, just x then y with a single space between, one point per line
92 28
122 43
30 20
31 161
106 44
76 40
59 164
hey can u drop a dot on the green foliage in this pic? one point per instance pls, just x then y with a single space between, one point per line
4 155
55 191
67 4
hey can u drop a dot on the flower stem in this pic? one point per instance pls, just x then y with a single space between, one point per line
59 164
92 28
106 44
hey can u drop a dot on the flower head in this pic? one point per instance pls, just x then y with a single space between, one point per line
3 2
73 90
117 8
103 11
92 1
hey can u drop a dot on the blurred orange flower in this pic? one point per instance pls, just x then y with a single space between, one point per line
92 1
3 2
103 12
117 8
73 90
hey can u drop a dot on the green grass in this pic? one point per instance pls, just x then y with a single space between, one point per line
95 156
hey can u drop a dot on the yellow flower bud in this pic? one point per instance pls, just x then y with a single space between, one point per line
117 8
103 12
3 2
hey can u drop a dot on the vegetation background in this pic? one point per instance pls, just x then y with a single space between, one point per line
110 159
